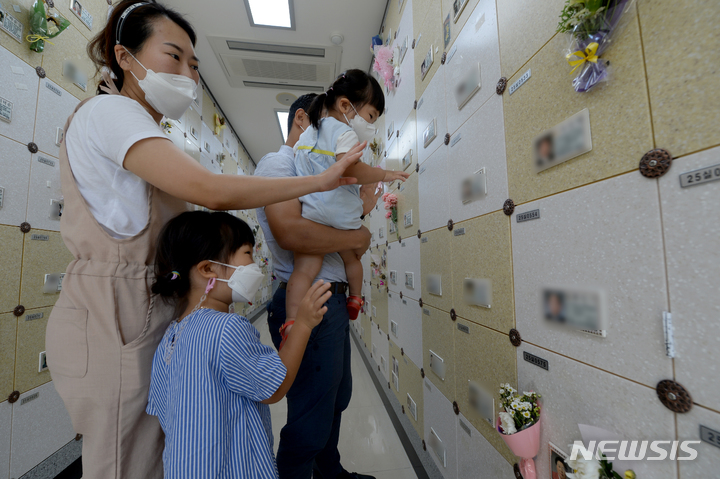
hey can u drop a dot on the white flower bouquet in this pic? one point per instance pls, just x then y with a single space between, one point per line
519 426
521 412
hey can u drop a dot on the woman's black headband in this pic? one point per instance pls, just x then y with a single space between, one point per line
128 11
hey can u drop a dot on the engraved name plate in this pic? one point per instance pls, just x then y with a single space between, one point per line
700 176
526 76
6 110
530 215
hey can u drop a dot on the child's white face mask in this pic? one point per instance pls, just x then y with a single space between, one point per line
244 282
364 130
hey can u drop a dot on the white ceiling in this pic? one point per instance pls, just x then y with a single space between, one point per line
251 111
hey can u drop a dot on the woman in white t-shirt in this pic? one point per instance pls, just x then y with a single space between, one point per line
122 179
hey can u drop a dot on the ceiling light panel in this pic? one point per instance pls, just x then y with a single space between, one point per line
271 13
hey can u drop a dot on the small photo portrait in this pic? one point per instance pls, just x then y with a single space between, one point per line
544 153
554 306
558 466
76 7
393 277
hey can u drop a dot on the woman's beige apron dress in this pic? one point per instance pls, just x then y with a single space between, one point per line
103 332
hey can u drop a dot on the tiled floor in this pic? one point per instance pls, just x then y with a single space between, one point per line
369 443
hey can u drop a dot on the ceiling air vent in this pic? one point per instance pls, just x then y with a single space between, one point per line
291 67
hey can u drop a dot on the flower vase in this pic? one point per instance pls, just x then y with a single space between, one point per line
526 445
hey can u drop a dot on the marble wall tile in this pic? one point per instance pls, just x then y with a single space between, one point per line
431 106
433 179
21 50
411 383
70 45
379 308
574 393
44 187
10 263
436 253
688 429
475 454
439 337
690 223
407 332
97 8
456 24
407 141
41 258
40 427
408 261
208 109
30 343
5 434
52 113
619 117
431 29
400 101
19 84
524 31
487 358
381 351
477 43
616 250
8 336
193 126
678 39
15 165
439 417
408 204
479 143
484 252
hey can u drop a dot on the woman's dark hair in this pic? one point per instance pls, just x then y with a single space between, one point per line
134 31
357 86
190 238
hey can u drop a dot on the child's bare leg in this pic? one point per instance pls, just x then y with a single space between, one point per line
354 273
305 270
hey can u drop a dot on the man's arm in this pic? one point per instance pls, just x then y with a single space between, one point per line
295 233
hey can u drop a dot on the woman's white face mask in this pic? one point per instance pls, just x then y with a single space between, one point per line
244 282
167 93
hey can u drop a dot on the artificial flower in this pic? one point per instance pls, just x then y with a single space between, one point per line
388 215
584 468
507 423
383 65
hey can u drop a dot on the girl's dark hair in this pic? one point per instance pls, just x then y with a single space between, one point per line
357 86
136 28
190 238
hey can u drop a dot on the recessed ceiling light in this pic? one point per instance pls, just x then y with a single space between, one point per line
282 117
270 13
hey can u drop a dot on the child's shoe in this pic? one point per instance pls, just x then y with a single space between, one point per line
354 304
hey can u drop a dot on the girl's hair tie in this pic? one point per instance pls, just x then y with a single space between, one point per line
175 275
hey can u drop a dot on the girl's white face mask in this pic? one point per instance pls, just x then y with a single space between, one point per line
364 130
244 282
168 94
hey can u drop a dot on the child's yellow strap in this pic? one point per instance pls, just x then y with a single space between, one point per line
315 150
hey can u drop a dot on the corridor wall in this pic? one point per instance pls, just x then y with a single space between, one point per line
33 422
646 246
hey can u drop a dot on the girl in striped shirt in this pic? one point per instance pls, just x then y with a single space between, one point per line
212 378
